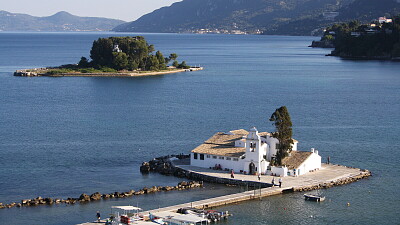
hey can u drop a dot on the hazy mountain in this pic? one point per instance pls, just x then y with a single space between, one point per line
61 21
293 17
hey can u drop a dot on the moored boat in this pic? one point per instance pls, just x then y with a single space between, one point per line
315 198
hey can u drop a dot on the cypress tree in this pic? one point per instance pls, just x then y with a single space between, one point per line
283 125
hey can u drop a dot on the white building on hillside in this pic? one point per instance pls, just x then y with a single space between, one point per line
250 153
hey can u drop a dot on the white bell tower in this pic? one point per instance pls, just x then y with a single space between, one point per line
253 153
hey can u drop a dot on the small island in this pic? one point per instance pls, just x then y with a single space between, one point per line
379 39
117 56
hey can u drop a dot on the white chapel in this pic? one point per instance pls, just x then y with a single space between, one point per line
250 152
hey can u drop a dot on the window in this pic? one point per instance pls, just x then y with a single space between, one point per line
214 157
195 155
208 156
252 147
228 158
235 159
201 156
221 157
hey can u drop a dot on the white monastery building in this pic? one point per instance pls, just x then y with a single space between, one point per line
250 152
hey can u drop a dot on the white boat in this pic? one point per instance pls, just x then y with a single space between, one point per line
315 198
127 215
172 218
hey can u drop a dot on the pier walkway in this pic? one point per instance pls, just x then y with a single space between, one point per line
328 174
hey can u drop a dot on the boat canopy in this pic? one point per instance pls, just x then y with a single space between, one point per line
126 208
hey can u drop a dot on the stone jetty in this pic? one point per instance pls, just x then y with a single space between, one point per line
329 175
85 198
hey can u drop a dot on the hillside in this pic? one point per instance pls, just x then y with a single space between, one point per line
361 10
285 17
377 40
61 21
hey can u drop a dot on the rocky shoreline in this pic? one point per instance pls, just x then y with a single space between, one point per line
329 44
85 198
383 58
322 44
164 165
364 175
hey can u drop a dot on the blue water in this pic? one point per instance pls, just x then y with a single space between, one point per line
61 137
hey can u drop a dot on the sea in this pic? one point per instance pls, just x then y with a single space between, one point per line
64 136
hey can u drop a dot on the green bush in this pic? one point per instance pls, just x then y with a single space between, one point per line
89 70
108 70
59 71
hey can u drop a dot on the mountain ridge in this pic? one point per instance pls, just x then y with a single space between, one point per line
280 17
60 21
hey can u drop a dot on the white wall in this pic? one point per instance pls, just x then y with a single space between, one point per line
272 147
279 171
210 162
313 162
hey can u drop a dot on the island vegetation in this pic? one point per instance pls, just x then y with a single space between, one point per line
117 56
379 39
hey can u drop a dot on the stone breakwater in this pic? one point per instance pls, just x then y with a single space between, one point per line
85 198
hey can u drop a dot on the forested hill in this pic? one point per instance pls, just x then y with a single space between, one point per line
379 39
61 21
285 17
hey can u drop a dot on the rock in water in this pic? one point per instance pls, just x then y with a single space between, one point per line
145 167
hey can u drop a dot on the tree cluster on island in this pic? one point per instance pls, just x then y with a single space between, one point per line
114 54
367 41
128 53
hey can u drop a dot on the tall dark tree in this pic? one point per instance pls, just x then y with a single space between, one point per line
173 56
161 60
83 63
120 61
283 124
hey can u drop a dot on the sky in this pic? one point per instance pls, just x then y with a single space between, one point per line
127 10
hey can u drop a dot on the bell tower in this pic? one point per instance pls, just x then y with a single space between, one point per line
253 151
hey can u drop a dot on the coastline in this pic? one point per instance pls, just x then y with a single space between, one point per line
380 58
40 73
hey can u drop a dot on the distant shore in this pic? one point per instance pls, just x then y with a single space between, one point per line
37 72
